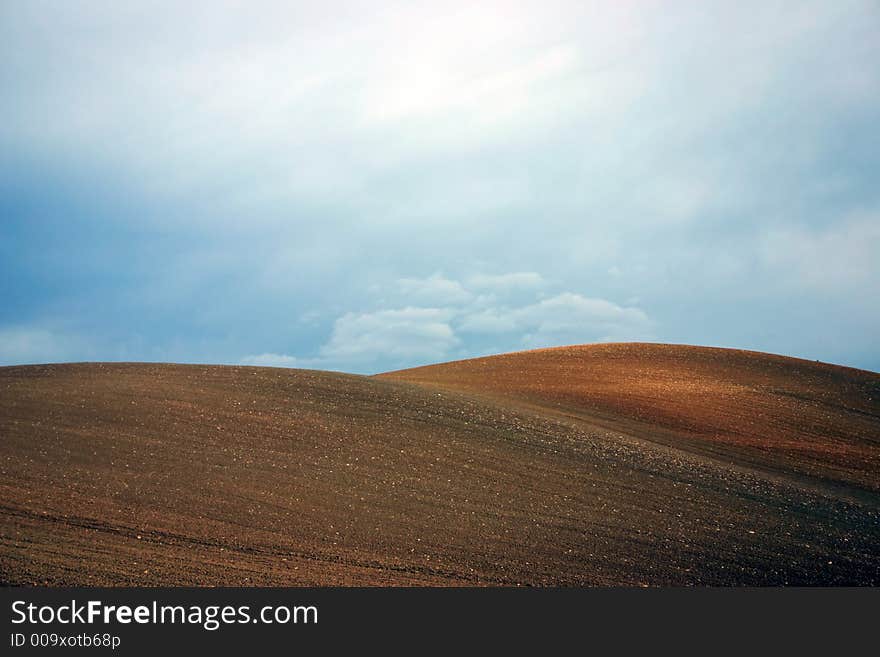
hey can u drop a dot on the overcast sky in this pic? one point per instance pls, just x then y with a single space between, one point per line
371 185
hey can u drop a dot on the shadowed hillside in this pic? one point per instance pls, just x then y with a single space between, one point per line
634 464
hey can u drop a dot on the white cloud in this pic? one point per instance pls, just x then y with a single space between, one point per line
565 318
419 334
321 100
439 86
407 334
571 318
416 335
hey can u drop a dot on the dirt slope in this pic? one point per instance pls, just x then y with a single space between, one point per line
170 474
764 410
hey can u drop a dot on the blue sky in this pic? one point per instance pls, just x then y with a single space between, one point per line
367 186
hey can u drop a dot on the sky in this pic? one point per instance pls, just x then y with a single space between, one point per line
366 186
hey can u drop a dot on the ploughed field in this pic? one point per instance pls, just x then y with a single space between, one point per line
626 464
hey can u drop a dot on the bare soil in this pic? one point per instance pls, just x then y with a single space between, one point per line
599 465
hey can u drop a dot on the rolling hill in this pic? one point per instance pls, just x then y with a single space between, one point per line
753 408
596 465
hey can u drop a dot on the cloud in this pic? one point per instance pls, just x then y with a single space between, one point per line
402 335
570 317
385 338
564 318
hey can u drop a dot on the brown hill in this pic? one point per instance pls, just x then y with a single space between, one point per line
172 474
759 409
